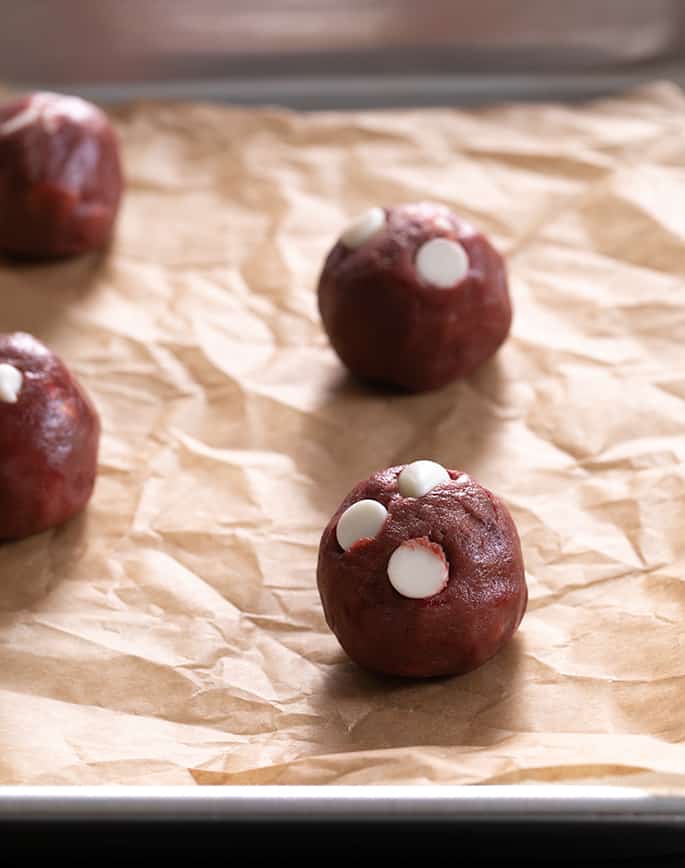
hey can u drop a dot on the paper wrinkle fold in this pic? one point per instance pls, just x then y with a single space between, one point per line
173 633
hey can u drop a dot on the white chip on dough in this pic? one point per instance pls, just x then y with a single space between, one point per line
442 262
362 520
363 227
24 118
72 107
11 380
44 107
420 477
418 569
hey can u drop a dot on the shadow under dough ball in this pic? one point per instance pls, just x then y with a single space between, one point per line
60 177
49 436
420 572
413 296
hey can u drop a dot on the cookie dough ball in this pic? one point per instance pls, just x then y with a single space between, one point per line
60 177
414 297
420 572
49 434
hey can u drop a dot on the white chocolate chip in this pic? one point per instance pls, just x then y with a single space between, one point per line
362 520
72 107
442 262
46 108
420 477
418 569
11 380
363 227
22 119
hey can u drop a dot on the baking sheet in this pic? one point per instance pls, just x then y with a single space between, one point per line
173 634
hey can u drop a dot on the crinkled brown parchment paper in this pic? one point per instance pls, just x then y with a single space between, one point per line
173 634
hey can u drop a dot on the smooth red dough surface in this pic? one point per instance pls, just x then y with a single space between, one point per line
455 630
48 442
60 178
387 326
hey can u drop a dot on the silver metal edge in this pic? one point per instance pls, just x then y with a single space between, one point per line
587 804
381 91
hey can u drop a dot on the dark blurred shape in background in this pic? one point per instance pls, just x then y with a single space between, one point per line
319 52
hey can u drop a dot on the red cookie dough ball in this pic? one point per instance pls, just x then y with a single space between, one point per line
49 434
420 572
414 297
60 176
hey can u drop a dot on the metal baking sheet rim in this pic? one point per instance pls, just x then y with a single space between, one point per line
539 803
330 93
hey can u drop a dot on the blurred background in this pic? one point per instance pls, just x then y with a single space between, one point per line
339 53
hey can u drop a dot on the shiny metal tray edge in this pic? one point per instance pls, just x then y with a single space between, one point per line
334 93
529 803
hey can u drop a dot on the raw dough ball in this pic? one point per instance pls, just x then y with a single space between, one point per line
60 176
414 297
433 584
49 434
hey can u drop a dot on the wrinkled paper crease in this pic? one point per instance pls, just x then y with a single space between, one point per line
173 633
